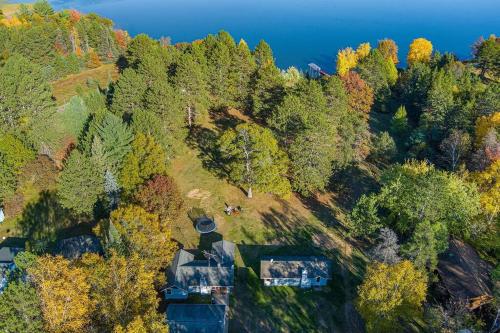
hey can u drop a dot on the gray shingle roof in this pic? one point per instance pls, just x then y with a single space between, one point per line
186 271
7 254
293 266
75 247
196 318
225 251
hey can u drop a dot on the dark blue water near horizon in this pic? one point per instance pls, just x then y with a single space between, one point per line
303 31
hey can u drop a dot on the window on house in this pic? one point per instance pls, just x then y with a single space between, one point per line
318 279
169 291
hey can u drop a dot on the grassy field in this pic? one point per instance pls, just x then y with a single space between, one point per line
67 87
269 225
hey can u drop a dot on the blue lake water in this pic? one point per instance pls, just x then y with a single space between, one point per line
303 31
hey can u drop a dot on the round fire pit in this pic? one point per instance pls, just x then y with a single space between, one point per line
205 225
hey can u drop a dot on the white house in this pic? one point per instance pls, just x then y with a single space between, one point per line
295 271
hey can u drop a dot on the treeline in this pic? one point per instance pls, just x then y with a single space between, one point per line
60 43
445 118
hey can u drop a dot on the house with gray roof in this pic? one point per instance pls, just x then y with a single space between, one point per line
190 276
296 271
197 318
7 255
76 247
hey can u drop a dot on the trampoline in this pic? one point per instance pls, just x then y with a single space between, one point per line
205 225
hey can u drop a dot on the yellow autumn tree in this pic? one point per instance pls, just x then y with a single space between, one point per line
488 182
484 124
64 293
144 234
389 294
347 59
420 51
124 294
363 50
13 21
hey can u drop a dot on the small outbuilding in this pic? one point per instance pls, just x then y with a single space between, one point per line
464 275
76 247
296 271
197 318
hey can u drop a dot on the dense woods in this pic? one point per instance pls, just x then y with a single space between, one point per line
437 151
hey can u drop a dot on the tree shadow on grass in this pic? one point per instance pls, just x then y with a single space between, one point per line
205 141
223 120
44 221
350 183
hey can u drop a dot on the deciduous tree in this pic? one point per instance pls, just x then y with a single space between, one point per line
64 294
390 294
146 159
347 59
389 50
254 160
160 196
420 51
360 94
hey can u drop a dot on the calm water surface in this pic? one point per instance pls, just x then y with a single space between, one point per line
309 30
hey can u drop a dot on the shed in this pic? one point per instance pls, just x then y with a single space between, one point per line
75 247
465 275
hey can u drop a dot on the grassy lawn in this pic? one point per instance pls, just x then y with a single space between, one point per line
67 87
270 225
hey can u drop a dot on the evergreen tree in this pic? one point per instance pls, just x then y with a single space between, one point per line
399 122
129 93
116 138
80 184
242 68
43 8
25 95
190 82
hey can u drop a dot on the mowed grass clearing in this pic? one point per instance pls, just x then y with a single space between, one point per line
69 86
270 225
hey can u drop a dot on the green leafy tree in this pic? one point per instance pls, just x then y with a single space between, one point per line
145 160
43 8
308 131
426 243
25 95
80 184
383 147
254 160
14 152
364 217
486 55
380 73
416 191
20 309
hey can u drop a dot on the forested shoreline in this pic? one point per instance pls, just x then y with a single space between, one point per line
101 164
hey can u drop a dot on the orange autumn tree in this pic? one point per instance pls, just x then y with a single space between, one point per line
420 51
64 293
389 50
93 59
359 94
